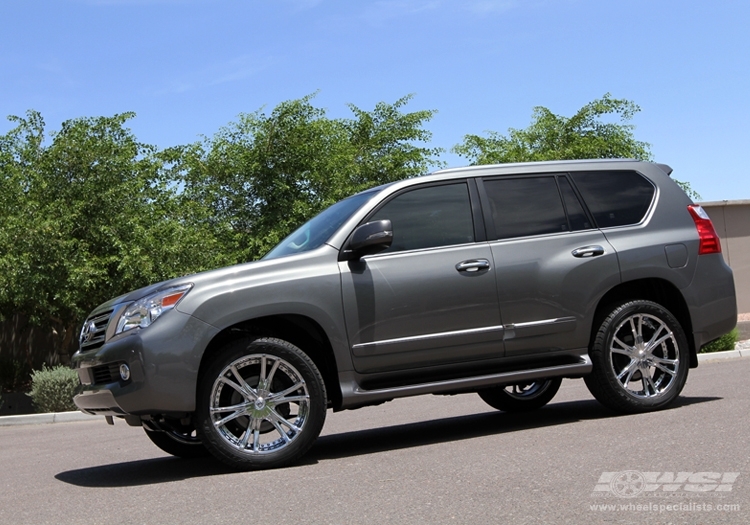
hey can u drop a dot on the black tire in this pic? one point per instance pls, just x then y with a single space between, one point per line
182 445
249 413
640 358
521 397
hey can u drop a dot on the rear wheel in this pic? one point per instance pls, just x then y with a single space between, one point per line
261 404
183 443
640 358
521 397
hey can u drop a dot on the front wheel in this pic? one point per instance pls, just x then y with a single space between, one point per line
261 404
640 358
521 397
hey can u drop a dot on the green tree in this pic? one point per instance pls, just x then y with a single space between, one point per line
87 215
388 145
89 212
264 175
599 130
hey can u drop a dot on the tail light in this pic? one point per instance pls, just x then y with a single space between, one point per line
709 241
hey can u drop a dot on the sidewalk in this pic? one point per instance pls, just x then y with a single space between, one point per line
38 419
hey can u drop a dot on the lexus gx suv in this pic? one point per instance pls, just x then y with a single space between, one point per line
496 280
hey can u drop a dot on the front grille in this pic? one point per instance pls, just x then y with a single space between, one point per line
94 331
105 374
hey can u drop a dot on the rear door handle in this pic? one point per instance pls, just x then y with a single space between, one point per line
588 251
473 265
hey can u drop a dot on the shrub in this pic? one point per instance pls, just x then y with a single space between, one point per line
52 389
723 343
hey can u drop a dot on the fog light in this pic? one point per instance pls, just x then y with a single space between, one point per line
124 372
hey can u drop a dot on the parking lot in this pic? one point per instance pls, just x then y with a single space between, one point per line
419 460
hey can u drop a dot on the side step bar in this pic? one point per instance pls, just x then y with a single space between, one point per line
355 397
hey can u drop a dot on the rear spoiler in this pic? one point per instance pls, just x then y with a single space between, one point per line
666 169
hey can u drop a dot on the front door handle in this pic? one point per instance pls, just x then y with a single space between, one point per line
588 251
473 265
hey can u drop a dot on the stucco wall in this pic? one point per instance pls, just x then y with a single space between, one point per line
732 222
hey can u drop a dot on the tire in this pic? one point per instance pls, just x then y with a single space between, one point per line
521 397
640 358
261 404
181 444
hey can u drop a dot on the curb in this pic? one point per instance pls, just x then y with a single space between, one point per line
68 417
39 419
721 356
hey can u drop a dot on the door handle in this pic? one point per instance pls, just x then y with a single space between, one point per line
588 251
473 265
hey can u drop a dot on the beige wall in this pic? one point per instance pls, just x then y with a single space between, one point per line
732 222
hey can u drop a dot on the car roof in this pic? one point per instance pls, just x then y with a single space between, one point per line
520 168
545 166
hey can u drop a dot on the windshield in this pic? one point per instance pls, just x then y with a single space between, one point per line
319 229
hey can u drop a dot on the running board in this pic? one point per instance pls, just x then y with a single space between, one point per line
355 397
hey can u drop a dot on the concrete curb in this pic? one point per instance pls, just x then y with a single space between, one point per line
39 419
721 356
68 417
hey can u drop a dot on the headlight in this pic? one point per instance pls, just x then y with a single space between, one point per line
145 311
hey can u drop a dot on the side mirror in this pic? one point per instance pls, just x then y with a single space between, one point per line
369 238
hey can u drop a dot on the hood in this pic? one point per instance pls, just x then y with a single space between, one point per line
218 277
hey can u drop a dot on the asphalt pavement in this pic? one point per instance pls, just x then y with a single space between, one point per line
427 459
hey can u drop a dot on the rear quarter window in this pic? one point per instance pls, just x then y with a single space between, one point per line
615 198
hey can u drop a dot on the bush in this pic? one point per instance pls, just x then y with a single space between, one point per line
52 389
723 343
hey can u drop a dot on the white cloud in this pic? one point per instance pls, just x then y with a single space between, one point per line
303 5
233 70
379 12
492 6
140 2
236 69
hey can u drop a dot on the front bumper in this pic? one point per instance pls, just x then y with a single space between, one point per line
164 360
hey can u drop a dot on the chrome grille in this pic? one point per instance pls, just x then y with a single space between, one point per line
94 331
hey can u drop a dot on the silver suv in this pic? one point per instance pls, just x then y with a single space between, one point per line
499 280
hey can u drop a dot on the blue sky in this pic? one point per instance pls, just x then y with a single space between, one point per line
188 67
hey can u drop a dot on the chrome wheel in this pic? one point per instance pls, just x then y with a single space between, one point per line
644 355
177 440
259 404
528 390
189 438
639 357
521 397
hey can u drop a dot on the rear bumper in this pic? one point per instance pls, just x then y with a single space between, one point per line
712 300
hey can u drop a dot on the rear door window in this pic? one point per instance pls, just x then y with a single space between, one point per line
525 206
615 198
